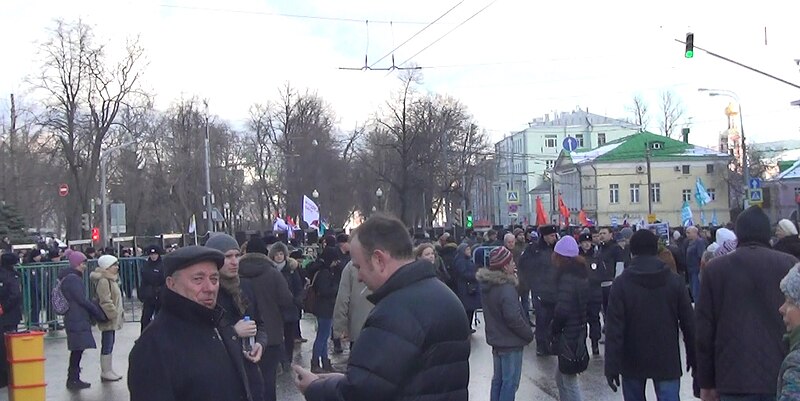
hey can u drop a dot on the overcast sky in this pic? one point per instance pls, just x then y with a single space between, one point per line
514 62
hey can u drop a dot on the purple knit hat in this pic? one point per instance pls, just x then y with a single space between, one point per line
76 258
567 247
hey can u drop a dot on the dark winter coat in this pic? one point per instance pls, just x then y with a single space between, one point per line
596 275
407 350
152 281
789 244
467 287
326 283
291 273
506 327
272 295
10 298
569 317
647 305
694 252
611 254
739 329
536 266
448 254
185 355
679 256
78 320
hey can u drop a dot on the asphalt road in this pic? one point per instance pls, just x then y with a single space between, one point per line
538 382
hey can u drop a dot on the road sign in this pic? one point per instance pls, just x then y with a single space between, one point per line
513 208
755 183
513 215
512 197
651 218
756 196
570 144
63 190
118 222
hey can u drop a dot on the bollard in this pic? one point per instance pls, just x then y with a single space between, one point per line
26 365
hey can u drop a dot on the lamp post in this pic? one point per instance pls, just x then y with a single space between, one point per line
209 210
379 195
745 164
103 191
228 220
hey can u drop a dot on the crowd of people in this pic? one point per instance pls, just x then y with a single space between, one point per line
220 321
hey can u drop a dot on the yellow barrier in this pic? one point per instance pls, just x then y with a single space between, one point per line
26 362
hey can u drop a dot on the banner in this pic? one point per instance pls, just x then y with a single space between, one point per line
702 197
541 216
310 212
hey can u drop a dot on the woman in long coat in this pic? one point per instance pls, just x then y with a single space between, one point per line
466 283
78 319
106 281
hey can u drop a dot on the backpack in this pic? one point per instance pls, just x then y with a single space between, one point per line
58 302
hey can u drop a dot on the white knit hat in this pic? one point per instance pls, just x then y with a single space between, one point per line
106 261
788 227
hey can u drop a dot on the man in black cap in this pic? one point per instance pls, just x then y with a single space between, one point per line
739 329
536 268
185 354
152 282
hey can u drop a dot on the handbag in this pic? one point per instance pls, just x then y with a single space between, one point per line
572 359
310 300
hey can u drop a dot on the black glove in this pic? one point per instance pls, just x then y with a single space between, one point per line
613 382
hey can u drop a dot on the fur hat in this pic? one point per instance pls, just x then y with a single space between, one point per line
567 247
585 237
753 225
256 244
790 285
788 227
278 247
547 230
499 258
644 242
106 261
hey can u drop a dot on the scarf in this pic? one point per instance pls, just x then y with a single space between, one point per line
280 266
792 338
232 286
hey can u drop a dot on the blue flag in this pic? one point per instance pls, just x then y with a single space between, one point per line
702 218
702 197
686 215
714 218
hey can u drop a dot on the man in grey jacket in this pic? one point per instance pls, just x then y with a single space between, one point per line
352 307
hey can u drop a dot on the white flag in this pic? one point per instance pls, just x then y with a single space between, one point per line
192 225
310 212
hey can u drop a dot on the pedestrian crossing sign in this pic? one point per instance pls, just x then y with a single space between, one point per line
756 196
512 197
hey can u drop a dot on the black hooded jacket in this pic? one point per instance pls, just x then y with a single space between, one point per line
407 350
536 268
789 244
184 354
647 305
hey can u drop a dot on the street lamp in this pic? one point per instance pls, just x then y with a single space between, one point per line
379 195
745 164
227 208
315 194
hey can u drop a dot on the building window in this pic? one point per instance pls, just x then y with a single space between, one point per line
579 137
634 193
687 195
712 193
550 164
613 191
655 193
685 169
709 169
601 139
550 141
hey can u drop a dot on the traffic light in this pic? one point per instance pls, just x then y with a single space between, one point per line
86 224
458 218
95 234
689 45
469 219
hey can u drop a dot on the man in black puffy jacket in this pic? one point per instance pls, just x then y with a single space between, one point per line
647 305
415 343
536 268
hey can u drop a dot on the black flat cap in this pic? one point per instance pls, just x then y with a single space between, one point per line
190 255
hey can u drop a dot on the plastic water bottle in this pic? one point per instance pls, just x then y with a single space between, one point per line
249 342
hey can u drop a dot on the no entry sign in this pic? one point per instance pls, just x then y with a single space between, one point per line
63 190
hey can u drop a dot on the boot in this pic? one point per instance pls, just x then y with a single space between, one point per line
107 374
326 366
74 380
316 367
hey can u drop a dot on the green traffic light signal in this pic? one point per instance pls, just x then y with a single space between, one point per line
469 219
689 53
689 45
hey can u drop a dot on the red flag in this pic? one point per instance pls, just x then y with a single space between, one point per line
562 208
290 221
584 219
541 216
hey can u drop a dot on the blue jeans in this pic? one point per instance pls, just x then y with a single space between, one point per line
666 390
747 397
324 328
568 388
694 285
107 342
507 372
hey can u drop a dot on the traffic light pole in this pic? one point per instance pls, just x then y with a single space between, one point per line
721 57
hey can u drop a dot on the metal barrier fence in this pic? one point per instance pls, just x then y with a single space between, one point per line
39 279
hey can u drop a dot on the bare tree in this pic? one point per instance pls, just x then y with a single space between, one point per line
84 91
638 109
671 113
